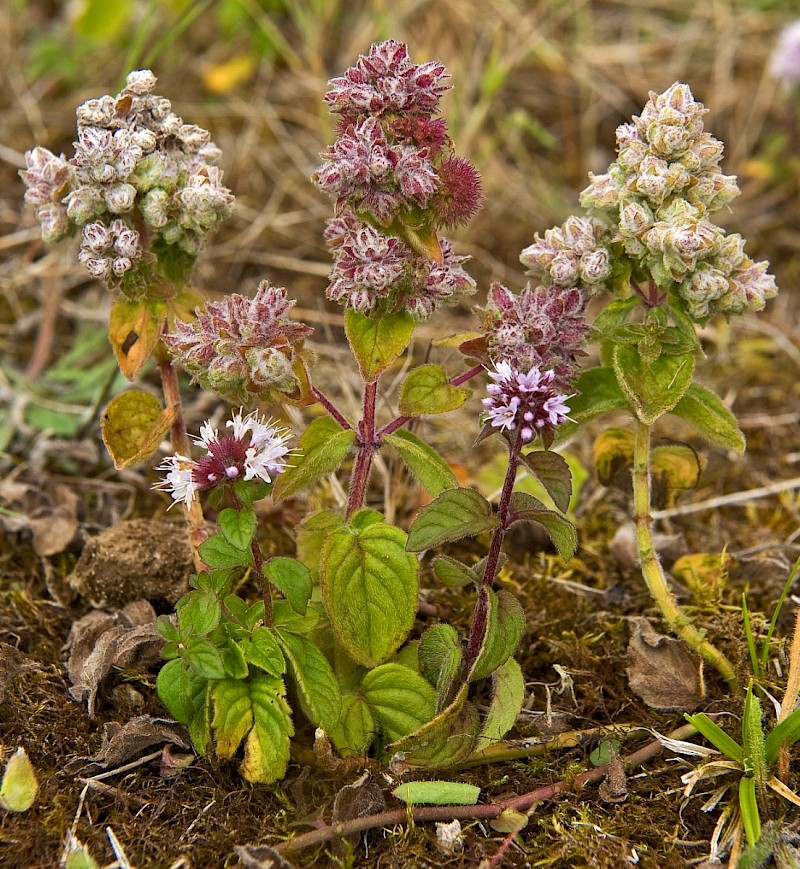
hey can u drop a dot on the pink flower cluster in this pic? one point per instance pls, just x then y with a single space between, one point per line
255 450
241 347
543 328
386 80
371 268
395 179
524 401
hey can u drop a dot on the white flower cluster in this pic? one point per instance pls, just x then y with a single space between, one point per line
137 168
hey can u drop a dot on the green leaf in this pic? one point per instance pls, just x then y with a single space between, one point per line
292 579
216 551
174 686
454 514
505 624
597 393
439 656
710 418
753 744
19 787
134 329
204 657
369 586
453 573
615 314
508 695
98 21
437 793
199 612
447 740
238 526
261 650
134 424
323 447
552 471
716 736
526 508
311 535
652 388
787 731
200 723
233 660
78 856
356 728
423 461
748 807
254 710
427 390
317 687
400 699
377 341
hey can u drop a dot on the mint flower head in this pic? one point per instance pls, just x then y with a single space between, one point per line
244 347
656 201
525 401
139 179
542 327
254 450
396 181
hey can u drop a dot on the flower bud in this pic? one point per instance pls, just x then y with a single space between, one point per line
120 198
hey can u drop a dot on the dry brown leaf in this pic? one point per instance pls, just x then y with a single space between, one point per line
357 800
121 742
48 510
261 857
614 787
99 641
662 670
13 664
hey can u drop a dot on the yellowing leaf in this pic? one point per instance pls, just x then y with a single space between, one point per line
19 786
133 425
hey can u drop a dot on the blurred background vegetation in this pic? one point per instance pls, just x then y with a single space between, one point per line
539 87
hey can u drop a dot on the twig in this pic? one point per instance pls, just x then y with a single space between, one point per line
492 810
726 500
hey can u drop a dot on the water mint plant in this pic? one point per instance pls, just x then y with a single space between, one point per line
143 190
650 240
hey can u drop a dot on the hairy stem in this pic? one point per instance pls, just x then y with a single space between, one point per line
330 407
652 570
181 444
367 444
478 628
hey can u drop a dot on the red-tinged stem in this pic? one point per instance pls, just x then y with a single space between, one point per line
400 421
181 444
330 407
491 810
492 559
367 444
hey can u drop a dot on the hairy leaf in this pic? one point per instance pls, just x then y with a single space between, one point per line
216 551
508 695
317 687
439 656
262 650
454 514
293 579
356 728
552 471
369 586
652 387
526 508
505 624
437 793
238 526
710 418
427 390
377 341
19 787
134 424
400 699
134 328
322 447
423 461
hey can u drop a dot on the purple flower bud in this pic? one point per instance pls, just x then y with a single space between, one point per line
120 198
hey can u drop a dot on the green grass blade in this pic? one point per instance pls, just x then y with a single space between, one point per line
717 736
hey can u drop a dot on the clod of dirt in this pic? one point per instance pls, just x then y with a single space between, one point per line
662 670
139 558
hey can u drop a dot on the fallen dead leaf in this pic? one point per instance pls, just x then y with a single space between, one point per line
121 742
100 641
662 670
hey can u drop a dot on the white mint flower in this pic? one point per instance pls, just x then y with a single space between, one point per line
256 450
